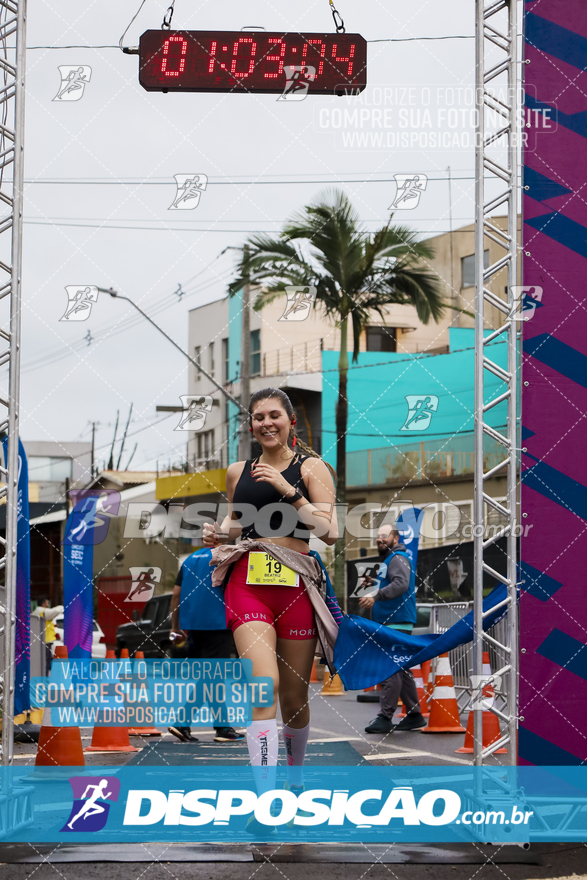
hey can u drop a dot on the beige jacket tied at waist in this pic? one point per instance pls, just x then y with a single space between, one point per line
307 567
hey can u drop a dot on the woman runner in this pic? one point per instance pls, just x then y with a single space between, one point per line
275 613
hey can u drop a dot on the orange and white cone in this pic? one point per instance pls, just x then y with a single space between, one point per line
426 664
142 731
444 709
59 746
332 686
417 673
110 739
491 731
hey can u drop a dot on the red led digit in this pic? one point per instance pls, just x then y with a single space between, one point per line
235 58
213 48
322 54
349 59
166 58
278 58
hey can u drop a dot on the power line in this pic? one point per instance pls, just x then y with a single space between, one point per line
137 181
196 229
389 40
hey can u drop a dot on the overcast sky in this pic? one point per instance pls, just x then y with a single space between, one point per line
120 136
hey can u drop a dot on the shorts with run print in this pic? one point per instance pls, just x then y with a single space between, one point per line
287 609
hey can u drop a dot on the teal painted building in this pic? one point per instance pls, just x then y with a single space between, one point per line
411 413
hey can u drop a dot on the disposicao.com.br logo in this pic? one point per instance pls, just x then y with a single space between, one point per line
310 808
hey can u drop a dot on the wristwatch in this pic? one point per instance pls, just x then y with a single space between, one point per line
291 499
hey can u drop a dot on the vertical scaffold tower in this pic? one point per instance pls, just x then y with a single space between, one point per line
496 187
12 82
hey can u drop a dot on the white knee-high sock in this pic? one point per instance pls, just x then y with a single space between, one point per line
295 749
263 745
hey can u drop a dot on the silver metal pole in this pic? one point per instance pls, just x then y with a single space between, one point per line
512 426
496 161
11 463
244 444
478 485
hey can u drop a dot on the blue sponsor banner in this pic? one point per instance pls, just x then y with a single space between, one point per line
22 658
130 693
339 805
86 526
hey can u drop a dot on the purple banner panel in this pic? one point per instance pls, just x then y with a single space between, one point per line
553 605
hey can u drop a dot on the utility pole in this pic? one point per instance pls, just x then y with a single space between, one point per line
244 445
93 449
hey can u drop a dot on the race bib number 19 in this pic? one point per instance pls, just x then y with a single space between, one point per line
267 571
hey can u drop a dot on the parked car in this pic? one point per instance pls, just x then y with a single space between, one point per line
98 646
149 633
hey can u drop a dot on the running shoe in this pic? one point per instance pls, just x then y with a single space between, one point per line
227 734
381 724
184 734
297 790
260 831
411 722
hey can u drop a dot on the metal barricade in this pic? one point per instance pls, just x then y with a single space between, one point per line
445 615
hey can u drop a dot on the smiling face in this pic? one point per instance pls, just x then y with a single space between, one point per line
271 424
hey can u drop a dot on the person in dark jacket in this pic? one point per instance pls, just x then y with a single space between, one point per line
393 603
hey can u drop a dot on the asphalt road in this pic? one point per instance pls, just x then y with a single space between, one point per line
334 718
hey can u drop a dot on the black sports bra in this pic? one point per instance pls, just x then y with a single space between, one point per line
275 518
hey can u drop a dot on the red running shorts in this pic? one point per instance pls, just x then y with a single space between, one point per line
287 609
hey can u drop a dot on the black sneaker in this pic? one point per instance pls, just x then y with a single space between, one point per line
227 734
381 724
411 722
184 734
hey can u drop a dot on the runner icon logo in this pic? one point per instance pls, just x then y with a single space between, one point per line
90 802
189 190
527 299
298 79
409 188
420 410
299 302
195 412
80 299
143 583
74 79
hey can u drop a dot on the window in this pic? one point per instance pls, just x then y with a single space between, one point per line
197 356
211 361
255 352
381 339
225 362
205 443
468 269
46 469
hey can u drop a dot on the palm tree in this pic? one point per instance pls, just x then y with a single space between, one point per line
356 273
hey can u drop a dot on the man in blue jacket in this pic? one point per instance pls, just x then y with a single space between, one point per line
394 605
197 612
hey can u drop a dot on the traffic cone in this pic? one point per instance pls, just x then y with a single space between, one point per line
110 739
124 655
444 710
332 686
425 666
313 674
142 731
491 731
370 695
417 673
59 746
430 682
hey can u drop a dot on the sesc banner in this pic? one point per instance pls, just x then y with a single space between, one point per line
23 587
86 526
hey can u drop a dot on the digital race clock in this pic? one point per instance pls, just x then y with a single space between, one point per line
251 61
